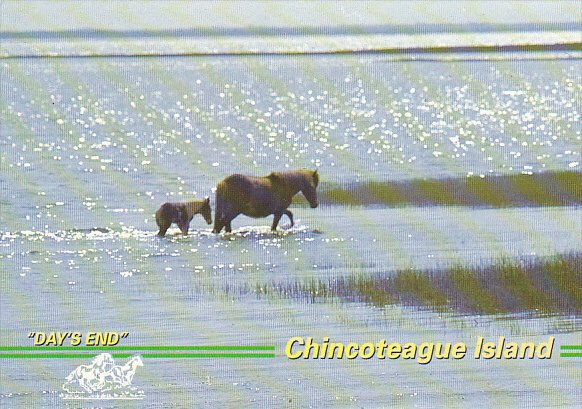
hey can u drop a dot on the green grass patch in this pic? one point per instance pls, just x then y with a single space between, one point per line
542 189
341 196
566 277
516 280
420 287
540 285
370 293
474 295
386 193
486 191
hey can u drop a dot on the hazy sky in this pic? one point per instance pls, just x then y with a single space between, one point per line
158 15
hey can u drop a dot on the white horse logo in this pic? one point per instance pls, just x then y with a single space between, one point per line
102 379
123 375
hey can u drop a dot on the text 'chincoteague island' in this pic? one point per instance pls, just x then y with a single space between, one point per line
423 353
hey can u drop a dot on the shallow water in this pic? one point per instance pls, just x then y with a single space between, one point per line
139 121
90 148
329 241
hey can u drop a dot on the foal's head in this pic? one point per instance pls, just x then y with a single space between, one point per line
206 211
199 206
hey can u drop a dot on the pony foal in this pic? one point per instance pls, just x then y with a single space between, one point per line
182 214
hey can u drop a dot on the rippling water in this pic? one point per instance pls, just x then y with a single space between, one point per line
91 147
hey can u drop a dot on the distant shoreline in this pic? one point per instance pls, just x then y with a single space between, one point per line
521 190
406 52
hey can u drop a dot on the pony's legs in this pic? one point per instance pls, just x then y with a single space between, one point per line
228 213
290 216
276 221
218 222
227 219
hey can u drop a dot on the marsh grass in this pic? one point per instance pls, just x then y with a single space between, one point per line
544 189
472 294
524 289
416 287
566 277
550 285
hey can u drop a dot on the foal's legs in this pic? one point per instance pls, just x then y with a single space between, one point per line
290 216
183 222
163 228
184 228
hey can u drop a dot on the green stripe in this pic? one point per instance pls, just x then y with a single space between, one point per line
146 355
211 355
571 347
571 354
6 356
144 348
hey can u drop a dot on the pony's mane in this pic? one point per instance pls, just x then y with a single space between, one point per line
312 175
196 205
296 175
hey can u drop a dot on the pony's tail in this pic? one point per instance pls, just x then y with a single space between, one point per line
218 210
158 221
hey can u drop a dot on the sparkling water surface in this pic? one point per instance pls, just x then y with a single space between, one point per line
91 147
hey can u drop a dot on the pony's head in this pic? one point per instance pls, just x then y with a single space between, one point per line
206 211
309 186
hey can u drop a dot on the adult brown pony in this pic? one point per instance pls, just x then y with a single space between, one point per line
262 196
182 214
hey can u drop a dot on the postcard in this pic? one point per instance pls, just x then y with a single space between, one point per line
290 204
